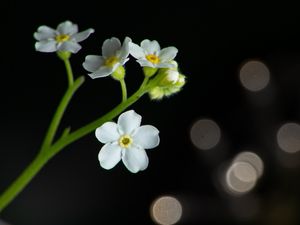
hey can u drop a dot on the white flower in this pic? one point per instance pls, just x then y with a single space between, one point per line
149 54
64 38
126 140
113 55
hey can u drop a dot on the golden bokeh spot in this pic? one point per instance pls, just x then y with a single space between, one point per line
152 58
111 61
125 141
62 38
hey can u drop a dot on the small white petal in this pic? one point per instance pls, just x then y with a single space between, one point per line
67 28
46 46
109 155
83 35
69 46
124 51
151 47
144 62
110 47
136 51
167 54
108 132
103 71
44 33
93 62
135 159
129 121
146 136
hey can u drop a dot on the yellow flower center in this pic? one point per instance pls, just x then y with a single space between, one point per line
62 37
125 141
111 61
152 58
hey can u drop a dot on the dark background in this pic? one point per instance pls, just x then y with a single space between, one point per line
213 40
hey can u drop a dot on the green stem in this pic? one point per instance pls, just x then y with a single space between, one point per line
59 113
48 151
145 82
75 135
69 72
124 90
45 153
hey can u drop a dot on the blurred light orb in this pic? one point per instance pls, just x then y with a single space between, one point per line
288 137
253 159
254 75
205 134
241 178
166 210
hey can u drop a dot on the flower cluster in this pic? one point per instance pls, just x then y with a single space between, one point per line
149 55
125 140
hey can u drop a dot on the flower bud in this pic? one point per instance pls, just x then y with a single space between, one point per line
159 92
181 81
156 93
119 73
171 77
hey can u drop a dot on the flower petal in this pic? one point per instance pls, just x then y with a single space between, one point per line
151 47
124 51
110 47
67 27
46 46
109 155
135 159
70 46
44 32
136 51
108 132
167 54
93 62
103 71
83 35
129 121
146 136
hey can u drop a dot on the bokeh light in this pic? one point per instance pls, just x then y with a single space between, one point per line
253 159
254 75
166 210
288 137
205 134
241 177
242 173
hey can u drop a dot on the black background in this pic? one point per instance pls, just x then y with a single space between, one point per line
213 39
